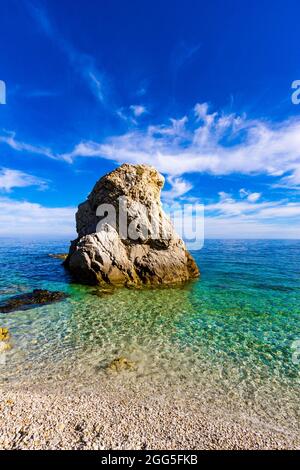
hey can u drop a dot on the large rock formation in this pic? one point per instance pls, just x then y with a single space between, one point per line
124 237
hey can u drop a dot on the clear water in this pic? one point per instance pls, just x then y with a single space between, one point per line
226 338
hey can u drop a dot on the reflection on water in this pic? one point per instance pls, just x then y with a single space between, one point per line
226 337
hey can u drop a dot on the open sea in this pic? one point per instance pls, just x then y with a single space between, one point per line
232 338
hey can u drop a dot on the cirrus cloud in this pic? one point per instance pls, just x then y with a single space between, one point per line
20 218
204 142
10 179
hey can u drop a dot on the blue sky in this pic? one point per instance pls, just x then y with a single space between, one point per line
199 89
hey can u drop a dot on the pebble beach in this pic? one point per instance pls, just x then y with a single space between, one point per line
99 419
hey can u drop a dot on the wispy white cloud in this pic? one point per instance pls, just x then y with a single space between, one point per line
241 218
10 179
9 138
21 218
225 219
249 229
243 192
230 207
131 114
83 64
121 112
252 197
138 109
203 142
179 187
213 143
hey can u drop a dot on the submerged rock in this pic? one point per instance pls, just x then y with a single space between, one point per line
30 300
102 291
4 340
4 334
120 364
143 249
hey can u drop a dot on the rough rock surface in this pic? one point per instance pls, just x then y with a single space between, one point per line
144 249
62 256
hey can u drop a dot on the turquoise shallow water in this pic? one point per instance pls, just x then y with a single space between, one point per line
229 335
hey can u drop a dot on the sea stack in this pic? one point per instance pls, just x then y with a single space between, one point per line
124 236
